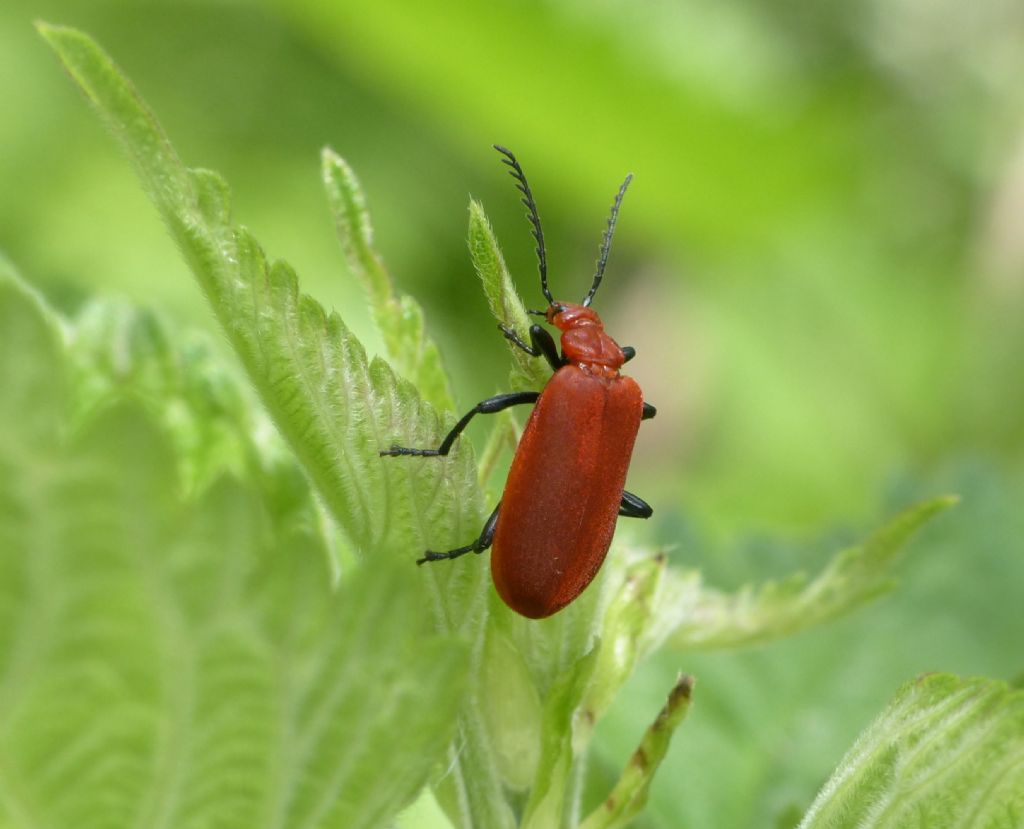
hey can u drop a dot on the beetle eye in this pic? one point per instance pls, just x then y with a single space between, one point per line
554 310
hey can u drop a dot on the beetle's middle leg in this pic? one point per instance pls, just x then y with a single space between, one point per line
633 506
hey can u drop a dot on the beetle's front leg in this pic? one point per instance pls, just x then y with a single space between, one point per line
541 342
491 405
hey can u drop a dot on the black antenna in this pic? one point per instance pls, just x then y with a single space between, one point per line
606 242
542 259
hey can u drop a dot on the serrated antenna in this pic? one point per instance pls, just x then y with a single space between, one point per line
531 206
606 242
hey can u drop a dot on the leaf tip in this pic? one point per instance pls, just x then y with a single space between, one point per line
330 160
481 234
682 691
928 509
48 31
346 196
900 528
477 216
53 33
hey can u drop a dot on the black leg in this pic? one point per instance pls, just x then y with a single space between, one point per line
541 342
633 506
482 543
629 351
489 406
649 412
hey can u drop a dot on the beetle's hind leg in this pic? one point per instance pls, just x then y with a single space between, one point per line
482 543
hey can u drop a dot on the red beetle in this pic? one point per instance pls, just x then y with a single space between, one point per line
566 488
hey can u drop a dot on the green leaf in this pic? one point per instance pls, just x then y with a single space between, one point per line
171 662
400 320
948 753
692 616
506 306
335 408
32 413
513 725
634 585
549 794
124 352
202 403
629 796
34 388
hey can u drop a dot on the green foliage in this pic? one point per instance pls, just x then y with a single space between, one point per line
399 320
166 562
504 302
947 752
211 417
170 661
335 408
630 794
707 618
330 402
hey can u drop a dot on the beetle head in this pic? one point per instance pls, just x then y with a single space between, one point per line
565 315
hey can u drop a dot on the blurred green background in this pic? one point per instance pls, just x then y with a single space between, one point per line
820 263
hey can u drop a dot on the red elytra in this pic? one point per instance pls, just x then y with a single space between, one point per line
566 487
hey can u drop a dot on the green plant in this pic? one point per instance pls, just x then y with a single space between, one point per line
210 622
